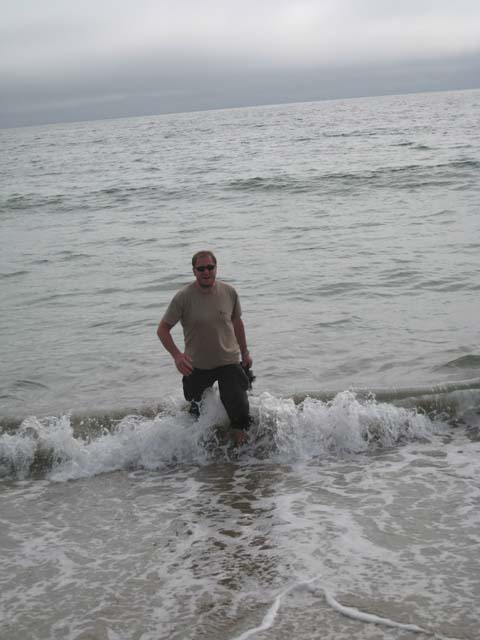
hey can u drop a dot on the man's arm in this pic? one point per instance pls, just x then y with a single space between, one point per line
182 361
239 329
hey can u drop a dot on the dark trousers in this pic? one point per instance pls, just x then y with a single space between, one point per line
232 384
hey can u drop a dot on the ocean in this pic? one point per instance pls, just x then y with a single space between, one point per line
351 231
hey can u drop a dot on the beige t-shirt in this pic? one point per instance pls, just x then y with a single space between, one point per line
206 319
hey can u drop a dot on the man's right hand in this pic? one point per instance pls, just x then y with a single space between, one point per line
184 364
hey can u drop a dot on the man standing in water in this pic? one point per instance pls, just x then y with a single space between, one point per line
210 313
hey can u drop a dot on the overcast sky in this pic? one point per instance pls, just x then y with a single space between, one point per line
62 60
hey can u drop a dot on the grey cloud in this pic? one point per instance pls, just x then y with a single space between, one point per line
267 32
155 92
153 56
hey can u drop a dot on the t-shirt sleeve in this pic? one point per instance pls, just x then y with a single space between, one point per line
237 308
174 310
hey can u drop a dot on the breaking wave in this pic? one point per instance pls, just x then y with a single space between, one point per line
284 429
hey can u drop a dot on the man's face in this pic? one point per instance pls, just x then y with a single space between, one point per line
204 274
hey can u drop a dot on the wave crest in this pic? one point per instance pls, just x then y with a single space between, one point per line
282 431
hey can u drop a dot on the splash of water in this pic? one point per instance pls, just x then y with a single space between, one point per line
282 431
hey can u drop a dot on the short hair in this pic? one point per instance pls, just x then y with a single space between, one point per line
203 254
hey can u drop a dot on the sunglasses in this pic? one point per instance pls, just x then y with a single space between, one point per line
210 267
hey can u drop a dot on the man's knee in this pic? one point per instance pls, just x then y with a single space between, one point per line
233 385
195 384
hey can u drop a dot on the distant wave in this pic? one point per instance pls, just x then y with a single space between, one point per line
470 361
122 193
110 196
30 201
21 383
258 183
408 176
13 274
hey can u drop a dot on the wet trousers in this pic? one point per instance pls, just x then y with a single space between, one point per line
232 384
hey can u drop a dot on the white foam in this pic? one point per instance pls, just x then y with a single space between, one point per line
356 614
343 425
16 455
281 431
272 611
350 612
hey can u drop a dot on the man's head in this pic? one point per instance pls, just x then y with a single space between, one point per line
204 265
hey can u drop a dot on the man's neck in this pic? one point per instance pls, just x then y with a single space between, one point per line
205 288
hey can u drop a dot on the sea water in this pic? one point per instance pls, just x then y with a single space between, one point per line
350 229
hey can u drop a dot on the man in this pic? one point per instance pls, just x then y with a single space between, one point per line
210 313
